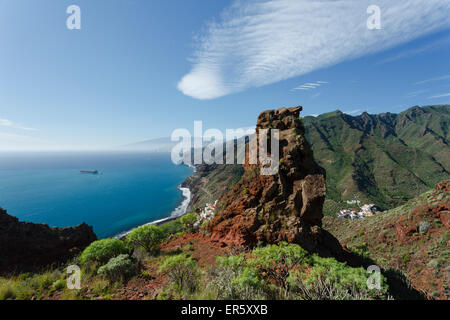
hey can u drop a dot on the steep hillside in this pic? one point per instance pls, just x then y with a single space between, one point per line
210 182
385 158
413 238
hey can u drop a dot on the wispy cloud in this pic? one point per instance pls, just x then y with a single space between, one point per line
417 51
440 96
446 77
13 125
309 86
259 42
415 93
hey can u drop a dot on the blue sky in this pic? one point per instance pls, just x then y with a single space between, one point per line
140 69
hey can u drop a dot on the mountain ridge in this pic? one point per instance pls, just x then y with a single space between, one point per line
378 157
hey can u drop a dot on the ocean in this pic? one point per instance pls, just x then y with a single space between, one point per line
131 189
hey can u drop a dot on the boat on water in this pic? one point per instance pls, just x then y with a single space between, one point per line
89 171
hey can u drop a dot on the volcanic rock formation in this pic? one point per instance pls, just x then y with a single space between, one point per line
286 206
25 246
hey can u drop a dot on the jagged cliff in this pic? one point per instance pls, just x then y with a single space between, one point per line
286 206
25 246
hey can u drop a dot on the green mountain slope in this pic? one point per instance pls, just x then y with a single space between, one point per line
385 158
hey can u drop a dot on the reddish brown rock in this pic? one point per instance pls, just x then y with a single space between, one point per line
25 246
286 206
405 229
444 217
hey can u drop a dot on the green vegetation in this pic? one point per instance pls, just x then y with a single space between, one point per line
27 286
277 262
283 271
99 252
329 279
385 159
182 272
287 271
146 237
188 221
172 227
118 268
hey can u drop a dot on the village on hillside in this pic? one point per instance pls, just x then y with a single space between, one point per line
367 210
206 214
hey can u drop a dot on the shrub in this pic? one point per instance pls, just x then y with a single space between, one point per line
99 252
424 226
172 227
188 221
182 271
328 279
117 268
6 291
233 281
59 284
146 237
276 262
248 285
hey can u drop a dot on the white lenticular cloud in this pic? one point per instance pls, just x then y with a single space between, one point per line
310 86
259 42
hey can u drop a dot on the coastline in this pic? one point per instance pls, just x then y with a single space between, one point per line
179 211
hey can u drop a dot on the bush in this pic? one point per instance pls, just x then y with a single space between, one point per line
99 252
287 271
231 280
182 271
172 227
328 279
147 237
188 221
59 284
248 285
118 268
6 291
276 262
204 228
424 226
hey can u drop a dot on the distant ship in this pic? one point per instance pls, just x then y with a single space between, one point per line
89 171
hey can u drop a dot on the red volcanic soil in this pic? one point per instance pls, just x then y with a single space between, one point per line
414 239
201 248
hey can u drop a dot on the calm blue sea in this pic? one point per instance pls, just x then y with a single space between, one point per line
131 189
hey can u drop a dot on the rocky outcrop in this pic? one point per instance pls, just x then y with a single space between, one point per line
286 206
25 246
